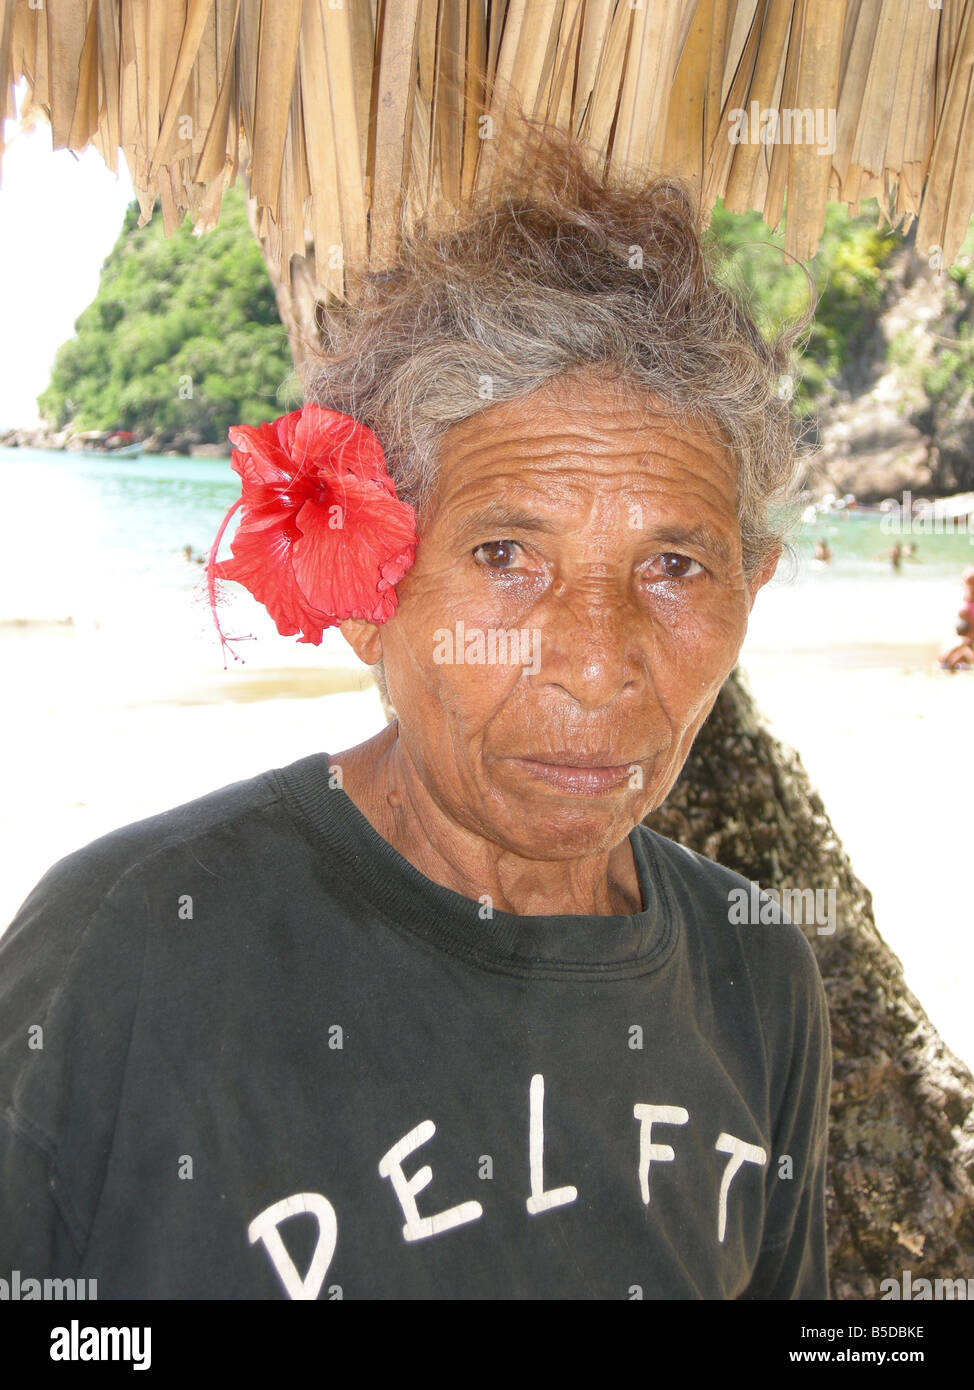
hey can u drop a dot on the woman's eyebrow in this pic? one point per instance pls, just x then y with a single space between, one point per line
703 536
500 516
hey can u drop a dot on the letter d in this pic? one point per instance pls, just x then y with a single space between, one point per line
264 1228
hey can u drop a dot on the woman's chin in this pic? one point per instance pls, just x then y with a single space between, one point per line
555 814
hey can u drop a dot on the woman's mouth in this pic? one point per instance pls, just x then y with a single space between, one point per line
573 772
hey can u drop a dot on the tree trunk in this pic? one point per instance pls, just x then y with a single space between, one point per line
901 1160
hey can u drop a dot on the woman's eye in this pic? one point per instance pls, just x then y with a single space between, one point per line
498 555
673 566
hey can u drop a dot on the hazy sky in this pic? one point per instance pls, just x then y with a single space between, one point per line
60 214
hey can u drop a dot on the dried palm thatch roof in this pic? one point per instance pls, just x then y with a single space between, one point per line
345 114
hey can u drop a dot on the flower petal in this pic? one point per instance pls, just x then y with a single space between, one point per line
262 562
339 569
322 536
394 569
330 444
262 454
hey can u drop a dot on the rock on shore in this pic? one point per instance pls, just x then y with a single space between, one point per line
44 437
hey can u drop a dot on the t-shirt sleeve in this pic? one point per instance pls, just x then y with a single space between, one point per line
793 1262
70 965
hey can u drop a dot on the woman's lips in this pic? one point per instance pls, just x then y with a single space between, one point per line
579 776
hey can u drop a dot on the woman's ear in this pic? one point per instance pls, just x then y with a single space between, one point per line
763 574
364 638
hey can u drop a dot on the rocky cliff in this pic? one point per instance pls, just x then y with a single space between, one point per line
881 429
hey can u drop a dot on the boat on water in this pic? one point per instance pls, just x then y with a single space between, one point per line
124 451
100 444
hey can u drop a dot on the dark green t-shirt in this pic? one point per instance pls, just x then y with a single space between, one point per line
248 1051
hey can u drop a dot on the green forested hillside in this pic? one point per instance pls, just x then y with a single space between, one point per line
182 340
848 272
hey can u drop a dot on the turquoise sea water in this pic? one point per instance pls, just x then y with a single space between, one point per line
858 542
78 532
96 539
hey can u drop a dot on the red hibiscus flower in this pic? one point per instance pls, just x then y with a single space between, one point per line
323 536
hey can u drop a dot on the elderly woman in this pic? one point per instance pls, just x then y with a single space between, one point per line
437 1016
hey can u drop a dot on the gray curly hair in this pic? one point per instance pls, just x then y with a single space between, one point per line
555 271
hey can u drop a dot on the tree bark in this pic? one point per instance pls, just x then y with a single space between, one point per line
901 1154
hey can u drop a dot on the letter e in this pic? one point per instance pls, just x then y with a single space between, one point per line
390 1166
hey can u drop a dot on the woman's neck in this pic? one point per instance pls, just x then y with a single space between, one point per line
380 779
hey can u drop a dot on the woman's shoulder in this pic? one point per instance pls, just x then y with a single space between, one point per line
92 870
767 923
77 947
219 833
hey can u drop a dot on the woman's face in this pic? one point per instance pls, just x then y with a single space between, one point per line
576 603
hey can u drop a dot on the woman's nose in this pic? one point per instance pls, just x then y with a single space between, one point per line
589 646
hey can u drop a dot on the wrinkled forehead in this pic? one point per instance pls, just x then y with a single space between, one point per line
581 446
